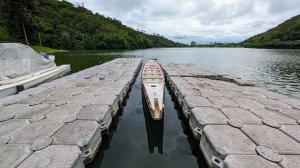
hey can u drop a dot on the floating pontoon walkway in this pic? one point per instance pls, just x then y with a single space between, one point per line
59 124
239 126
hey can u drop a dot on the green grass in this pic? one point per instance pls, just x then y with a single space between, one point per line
47 49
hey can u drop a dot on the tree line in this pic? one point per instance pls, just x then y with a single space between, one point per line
60 24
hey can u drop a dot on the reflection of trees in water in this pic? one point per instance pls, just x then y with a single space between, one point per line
155 130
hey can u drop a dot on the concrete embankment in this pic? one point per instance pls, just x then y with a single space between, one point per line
60 123
237 125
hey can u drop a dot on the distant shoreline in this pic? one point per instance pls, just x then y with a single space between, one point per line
47 49
52 51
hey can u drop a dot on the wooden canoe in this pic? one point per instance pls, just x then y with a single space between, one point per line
153 82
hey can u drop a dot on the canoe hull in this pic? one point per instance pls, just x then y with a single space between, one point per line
151 104
153 88
155 130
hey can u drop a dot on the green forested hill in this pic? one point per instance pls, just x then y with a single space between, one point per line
60 24
285 35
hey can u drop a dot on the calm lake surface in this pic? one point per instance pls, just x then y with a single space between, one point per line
274 69
136 141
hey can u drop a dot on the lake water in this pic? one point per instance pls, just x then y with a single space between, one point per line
135 141
277 70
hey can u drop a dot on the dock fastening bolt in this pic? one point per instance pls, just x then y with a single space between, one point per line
188 112
103 126
112 109
198 131
180 102
216 162
86 152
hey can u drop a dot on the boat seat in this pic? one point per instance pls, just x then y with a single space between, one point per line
153 77
153 74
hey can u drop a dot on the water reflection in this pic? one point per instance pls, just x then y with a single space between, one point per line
136 142
155 130
80 60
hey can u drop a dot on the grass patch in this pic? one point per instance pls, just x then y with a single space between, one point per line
47 49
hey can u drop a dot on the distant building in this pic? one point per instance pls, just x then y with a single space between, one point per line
193 43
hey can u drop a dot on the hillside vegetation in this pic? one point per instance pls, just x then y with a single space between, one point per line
60 24
47 49
285 35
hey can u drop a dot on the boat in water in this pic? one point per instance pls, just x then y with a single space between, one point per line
21 68
155 131
153 82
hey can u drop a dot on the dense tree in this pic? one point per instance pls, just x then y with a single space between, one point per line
60 24
20 18
4 34
285 35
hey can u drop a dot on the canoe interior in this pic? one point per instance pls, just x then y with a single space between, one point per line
153 88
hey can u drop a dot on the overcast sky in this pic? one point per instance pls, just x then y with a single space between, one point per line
200 20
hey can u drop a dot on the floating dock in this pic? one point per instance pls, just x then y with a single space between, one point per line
237 125
60 123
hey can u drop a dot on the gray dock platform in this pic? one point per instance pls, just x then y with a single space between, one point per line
60 123
238 125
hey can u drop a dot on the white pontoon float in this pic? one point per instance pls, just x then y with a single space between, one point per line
21 68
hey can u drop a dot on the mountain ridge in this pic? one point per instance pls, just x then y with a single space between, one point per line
285 35
60 24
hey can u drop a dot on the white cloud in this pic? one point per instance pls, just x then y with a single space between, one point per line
210 36
198 20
